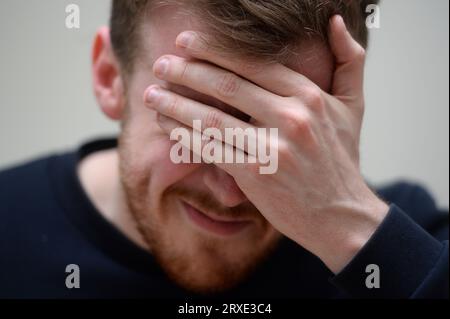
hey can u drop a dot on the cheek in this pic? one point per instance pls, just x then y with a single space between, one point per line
146 149
149 145
163 171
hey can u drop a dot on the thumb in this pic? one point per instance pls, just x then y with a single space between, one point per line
350 59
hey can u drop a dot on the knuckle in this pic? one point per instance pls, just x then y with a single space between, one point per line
184 73
297 124
283 149
228 84
315 98
360 54
213 120
173 106
250 68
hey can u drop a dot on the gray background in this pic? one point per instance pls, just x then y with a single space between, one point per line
47 105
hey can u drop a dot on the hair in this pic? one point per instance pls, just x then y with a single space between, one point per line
264 29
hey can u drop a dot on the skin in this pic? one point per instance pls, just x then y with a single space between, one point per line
317 198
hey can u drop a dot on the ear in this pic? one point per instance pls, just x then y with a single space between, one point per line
107 79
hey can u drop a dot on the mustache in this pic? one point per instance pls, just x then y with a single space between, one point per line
206 202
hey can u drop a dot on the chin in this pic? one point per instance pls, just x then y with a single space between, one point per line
200 257
202 246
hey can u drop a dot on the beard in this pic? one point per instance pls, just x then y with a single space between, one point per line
195 261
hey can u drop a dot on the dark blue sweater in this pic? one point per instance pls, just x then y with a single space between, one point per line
47 222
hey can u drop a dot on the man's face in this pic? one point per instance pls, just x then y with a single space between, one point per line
197 222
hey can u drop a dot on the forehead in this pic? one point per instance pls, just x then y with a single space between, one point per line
164 23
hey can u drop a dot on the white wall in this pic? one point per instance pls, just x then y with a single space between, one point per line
46 102
407 122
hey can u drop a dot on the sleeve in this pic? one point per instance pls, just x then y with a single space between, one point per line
411 263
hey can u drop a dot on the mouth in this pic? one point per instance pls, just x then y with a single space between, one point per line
211 223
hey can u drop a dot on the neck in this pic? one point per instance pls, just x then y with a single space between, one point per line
100 179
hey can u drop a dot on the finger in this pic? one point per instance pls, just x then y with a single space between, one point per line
186 111
271 76
190 139
218 83
350 60
209 151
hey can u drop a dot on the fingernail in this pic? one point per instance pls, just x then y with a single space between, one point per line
185 39
162 66
152 95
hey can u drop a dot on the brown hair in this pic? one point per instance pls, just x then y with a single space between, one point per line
266 29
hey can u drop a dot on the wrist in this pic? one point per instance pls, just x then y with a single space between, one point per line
352 233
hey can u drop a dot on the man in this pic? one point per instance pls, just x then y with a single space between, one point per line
125 220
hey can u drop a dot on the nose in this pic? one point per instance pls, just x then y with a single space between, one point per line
223 187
